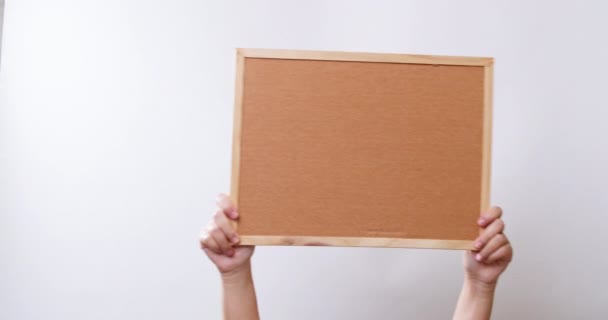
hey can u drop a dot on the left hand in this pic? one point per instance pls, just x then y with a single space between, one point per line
220 240
492 253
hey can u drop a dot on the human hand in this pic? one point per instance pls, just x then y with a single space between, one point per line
492 253
220 241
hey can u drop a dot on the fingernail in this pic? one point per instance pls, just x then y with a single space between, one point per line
234 214
235 239
478 244
230 252
478 257
481 221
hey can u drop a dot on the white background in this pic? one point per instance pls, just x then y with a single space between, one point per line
1 23
115 137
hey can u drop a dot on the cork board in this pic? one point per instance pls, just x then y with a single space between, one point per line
361 149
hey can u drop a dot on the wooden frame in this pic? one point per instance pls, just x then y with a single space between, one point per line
486 63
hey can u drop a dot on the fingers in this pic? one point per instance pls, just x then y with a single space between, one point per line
224 245
215 240
494 228
492 246
220 235
503 253
225 226
208 242
489 216
224 203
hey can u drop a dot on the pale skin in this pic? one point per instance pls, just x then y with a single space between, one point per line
482 266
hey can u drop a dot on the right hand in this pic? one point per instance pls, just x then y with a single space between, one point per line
220 241
493 251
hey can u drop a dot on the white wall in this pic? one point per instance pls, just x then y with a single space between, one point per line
115 133
1 25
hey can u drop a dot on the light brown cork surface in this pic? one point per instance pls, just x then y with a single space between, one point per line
360 149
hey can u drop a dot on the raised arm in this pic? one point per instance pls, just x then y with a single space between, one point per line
220 242
483 267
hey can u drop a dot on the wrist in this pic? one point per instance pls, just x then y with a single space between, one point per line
237 276
476 299
479 287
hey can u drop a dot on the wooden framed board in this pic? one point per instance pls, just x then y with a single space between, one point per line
361 149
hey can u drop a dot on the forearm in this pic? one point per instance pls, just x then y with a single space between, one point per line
239 301
475 301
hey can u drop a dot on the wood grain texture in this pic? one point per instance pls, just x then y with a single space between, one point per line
487 137
365 57
357 242
236 135
347 150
